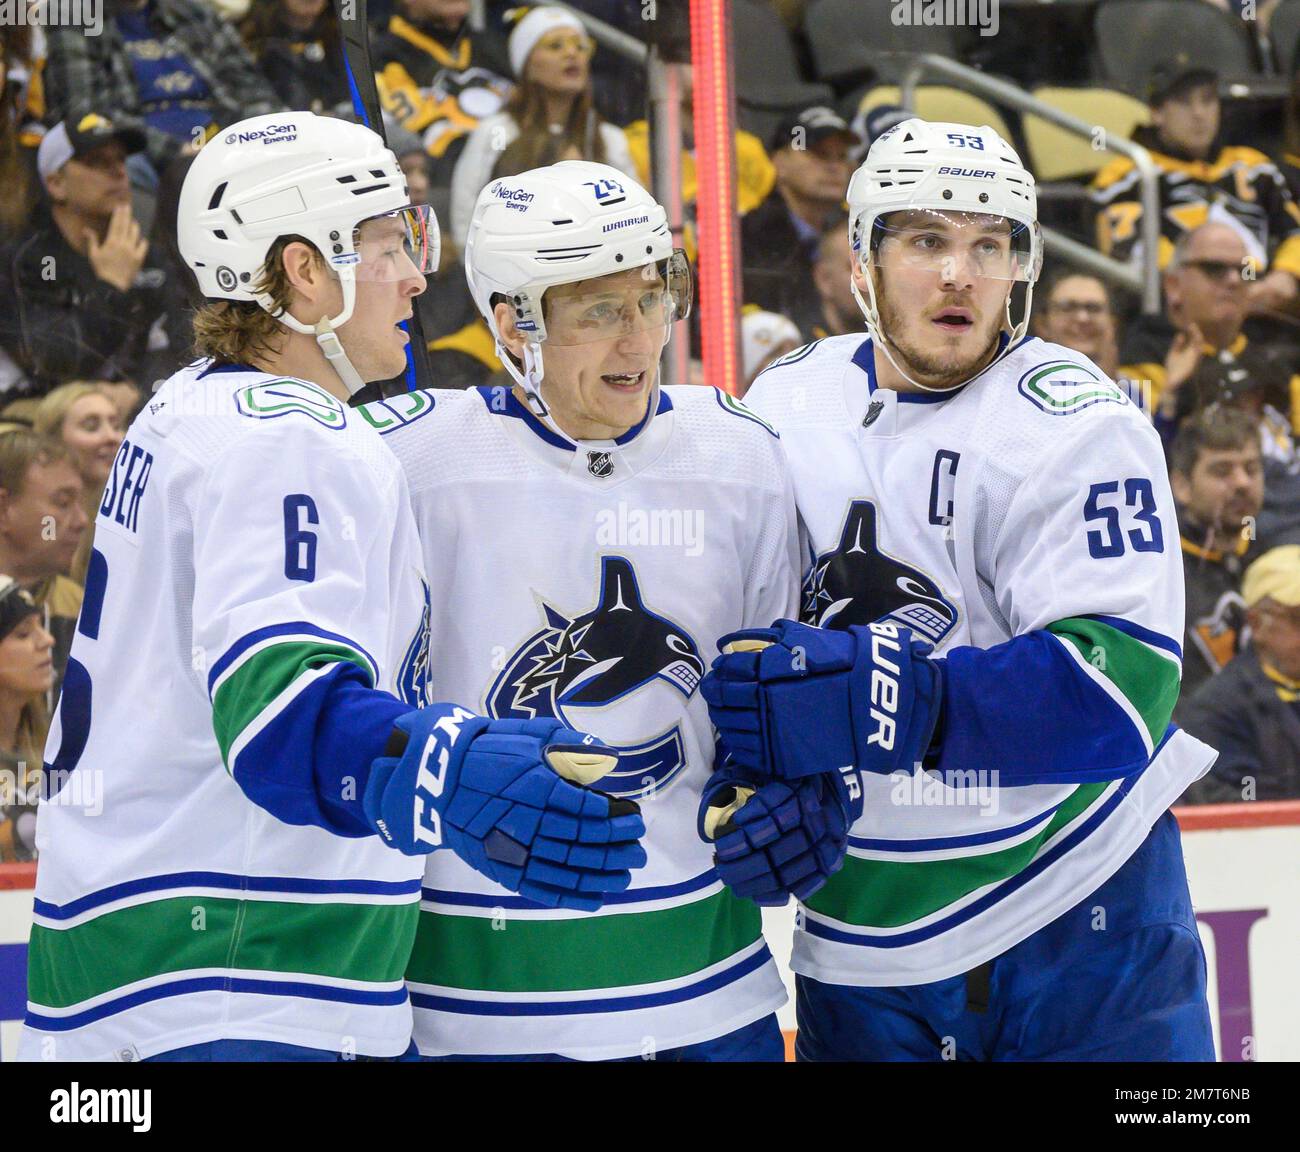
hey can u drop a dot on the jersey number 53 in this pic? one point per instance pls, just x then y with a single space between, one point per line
1104 506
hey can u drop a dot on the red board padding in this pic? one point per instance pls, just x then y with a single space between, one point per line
1248 814
17 876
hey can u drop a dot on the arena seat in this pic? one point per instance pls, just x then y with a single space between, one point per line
1055 154
1133 36
939 102
847 42
1283 32
767 72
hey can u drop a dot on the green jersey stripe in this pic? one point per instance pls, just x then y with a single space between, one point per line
576 955
257 683
1146 679
873 893
354 942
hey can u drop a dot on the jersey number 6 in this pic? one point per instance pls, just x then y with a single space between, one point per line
299 544
1108 542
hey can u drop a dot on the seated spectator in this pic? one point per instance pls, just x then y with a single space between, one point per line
1202 179
82 291
26 675
755 175
1207 298
779 239
549 117
1251 711
764 336
183 297
1217 479
42 521
439 77
465 358
1075 310
870 123
171 67
17 172
297 48
85 419
835 312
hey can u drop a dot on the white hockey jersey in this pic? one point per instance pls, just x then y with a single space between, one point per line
1024 526
592 585
254 547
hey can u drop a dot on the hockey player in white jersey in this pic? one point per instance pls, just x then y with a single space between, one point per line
241 786
988 645
589 535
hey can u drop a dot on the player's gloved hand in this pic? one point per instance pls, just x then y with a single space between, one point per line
779 840
792 700
498 793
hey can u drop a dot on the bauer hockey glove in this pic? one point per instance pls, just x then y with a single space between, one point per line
779 840
498 793
792 700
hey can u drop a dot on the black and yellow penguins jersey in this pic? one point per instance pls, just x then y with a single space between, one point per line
439 90
1238 186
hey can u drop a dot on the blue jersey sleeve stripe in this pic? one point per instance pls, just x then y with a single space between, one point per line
1155 639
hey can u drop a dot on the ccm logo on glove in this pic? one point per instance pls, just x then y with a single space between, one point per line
429 784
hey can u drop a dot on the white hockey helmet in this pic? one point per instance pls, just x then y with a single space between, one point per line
955 169
568 222
297 174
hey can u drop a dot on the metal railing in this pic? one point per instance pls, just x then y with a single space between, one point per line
1145 280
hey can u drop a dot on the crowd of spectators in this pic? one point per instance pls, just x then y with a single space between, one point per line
96 133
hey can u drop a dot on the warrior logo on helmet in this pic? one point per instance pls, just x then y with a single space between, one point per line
578 668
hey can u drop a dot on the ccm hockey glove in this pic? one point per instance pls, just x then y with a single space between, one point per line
792 700
779 840
498 793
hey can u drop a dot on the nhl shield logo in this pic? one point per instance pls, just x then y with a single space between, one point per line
600 464
874 409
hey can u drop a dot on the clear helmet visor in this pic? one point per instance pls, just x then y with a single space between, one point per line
954 246
396 245
610 307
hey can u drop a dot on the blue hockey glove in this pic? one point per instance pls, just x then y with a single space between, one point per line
779 840
792 700
494 792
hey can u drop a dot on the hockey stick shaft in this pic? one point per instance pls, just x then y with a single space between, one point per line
354 32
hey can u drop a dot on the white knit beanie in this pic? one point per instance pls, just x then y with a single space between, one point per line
532 28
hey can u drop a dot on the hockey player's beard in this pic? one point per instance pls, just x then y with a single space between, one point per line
937 370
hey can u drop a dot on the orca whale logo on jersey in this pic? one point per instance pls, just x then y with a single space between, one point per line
600 464
578 669
413 674
856 583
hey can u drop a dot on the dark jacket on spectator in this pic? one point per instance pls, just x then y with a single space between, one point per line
85 74
1241 712
778 264
304 68
61 322
440 84
1215 614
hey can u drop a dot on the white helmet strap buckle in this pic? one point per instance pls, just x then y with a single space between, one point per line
332 347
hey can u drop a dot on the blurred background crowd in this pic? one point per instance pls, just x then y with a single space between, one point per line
96 132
